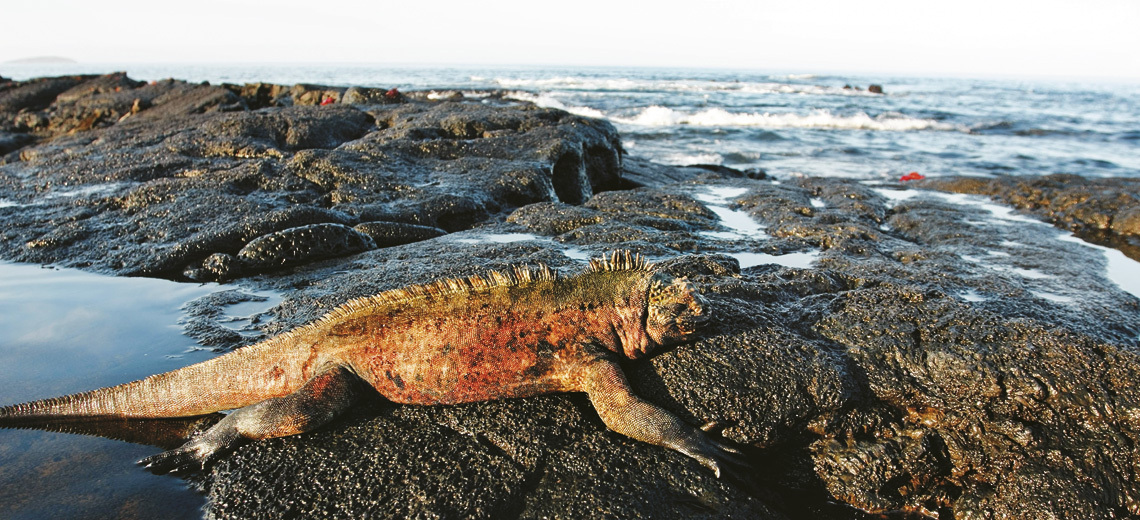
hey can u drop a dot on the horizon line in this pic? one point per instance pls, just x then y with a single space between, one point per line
64 62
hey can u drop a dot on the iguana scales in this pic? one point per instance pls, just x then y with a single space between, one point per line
515 334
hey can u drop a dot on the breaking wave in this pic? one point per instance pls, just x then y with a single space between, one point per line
693 85
664 116
548 101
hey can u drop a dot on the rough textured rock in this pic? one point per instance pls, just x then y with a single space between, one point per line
301 245
935 360
153 179
388 234
897 376
1069 201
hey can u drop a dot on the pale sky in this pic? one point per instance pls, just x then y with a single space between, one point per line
1087 39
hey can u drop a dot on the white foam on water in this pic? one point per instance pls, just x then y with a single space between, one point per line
549 101
581 83
818 203
436 95
797 260
575 83
5 203
657 116
791 88
689 159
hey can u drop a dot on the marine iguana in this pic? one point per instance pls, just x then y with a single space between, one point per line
515 334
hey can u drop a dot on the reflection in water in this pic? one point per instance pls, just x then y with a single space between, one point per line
740 224
65 331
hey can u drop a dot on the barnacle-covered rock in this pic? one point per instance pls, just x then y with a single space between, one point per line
303 244
388 234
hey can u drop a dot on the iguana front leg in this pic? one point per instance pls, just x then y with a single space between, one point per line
630 415
318 401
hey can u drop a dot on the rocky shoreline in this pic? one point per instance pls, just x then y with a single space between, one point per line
934 361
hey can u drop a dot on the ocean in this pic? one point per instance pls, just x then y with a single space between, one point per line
787 125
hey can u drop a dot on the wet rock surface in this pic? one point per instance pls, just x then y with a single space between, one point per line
934 360
1106 211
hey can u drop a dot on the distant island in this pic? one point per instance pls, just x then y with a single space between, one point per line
41 60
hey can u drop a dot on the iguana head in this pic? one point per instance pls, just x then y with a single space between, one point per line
674 310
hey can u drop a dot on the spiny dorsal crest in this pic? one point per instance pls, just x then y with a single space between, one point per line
516 276
620 261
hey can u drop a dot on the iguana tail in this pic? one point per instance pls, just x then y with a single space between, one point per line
272 368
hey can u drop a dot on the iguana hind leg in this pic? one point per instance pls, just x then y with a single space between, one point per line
318 401
626 413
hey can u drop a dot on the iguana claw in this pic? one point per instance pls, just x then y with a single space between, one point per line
188 458
723 459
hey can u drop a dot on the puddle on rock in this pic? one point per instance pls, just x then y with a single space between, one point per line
740 223
1053 297
64 331
802 260
574 253
86 191
973 296
497 238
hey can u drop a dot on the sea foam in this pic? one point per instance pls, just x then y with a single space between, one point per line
571 83
719 117
548 101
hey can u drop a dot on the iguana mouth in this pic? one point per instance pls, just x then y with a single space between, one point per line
698 314
689 324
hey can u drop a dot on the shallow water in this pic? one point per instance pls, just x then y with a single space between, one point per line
64 331
741 225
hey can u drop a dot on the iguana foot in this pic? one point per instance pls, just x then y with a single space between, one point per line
194 455
180 460
718 456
